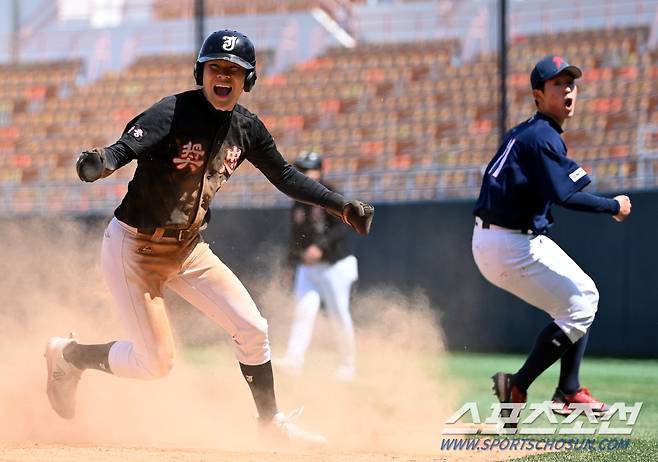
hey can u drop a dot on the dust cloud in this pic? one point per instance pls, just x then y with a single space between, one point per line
52 285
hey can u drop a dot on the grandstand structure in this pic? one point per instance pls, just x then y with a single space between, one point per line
401 113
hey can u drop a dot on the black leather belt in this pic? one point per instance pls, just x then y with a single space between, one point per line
178 234
487 225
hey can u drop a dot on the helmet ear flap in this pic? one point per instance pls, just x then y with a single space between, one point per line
198 73
250 80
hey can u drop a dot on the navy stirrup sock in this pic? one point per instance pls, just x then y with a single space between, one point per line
550 345
570 366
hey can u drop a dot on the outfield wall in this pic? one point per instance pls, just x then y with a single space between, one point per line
426 246
429 245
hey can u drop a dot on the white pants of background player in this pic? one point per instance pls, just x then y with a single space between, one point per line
137 270
537 270
327 284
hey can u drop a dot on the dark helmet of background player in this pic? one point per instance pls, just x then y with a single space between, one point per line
309 160
232 46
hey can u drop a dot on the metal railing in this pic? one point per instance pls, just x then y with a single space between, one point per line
253 191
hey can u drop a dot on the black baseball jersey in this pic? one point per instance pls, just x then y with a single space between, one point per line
186 150
312 225
529 173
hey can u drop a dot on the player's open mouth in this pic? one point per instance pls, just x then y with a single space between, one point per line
222 91
568 102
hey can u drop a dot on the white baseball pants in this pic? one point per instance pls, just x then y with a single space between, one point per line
329 284
537 270
137 270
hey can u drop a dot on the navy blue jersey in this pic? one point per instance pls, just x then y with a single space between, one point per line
529 173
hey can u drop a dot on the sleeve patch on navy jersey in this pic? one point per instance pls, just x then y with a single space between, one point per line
577 174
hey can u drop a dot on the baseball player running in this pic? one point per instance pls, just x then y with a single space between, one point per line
324 274
186 146
528 174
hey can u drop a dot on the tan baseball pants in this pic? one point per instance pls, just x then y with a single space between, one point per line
137 270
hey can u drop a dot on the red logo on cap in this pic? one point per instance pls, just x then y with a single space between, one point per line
558 61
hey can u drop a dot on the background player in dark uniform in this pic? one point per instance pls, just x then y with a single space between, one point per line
529 173
324 274
186 146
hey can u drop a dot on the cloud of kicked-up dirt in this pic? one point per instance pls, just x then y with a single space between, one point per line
52 285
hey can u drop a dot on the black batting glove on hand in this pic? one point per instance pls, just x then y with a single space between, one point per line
359 216
91 164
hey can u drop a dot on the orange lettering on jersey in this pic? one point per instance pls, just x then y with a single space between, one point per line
231 160
191 155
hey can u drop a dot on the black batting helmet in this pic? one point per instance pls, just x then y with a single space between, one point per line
309 160
232 46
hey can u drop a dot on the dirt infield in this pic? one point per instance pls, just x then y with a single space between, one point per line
58 453
203 410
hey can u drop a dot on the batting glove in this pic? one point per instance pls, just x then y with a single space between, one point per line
359 216
91 164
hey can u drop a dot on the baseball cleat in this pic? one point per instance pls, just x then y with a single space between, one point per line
63 377
582 396
282 428
507 392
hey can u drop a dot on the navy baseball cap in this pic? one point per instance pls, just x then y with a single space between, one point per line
550 66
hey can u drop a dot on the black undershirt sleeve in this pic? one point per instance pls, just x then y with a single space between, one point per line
287 179
585 202
299 187
117 155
